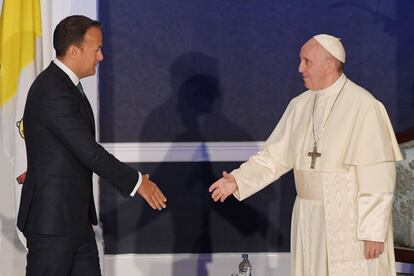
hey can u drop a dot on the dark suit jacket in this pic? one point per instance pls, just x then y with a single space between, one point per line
62 153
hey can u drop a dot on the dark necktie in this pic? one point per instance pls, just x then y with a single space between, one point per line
80 88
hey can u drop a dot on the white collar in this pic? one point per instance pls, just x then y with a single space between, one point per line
333 88
67 70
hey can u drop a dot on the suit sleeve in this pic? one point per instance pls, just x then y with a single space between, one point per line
272 161
62 118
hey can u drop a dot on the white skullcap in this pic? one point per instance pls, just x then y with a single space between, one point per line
332 45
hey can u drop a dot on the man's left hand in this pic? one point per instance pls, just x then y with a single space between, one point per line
372 249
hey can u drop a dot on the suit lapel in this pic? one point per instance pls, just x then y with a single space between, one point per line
89 112
86 109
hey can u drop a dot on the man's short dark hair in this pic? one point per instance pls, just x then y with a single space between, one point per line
71 31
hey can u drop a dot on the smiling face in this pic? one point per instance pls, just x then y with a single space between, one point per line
316 65
90 53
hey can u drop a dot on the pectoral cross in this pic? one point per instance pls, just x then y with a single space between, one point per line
314 154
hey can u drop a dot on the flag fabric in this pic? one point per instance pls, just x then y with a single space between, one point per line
20 63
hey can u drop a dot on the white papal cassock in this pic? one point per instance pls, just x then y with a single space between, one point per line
347 197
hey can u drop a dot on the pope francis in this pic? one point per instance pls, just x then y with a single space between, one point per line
339 142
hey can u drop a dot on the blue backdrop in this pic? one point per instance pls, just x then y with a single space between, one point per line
215 70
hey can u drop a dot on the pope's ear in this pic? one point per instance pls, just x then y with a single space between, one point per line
330 63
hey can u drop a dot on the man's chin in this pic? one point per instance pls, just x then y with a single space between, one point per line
91 73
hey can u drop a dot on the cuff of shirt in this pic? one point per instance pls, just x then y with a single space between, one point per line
134 191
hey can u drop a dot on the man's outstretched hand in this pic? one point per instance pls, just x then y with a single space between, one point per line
152 194
223 187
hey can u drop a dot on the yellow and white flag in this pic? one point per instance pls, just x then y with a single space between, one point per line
20 63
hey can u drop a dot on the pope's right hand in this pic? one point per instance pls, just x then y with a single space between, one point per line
223 187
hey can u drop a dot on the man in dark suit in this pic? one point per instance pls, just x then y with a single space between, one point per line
57 210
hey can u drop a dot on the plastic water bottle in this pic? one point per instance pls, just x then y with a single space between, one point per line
245 267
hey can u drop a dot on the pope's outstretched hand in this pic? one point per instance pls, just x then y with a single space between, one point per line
223 187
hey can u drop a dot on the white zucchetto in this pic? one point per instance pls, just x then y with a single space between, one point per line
333 45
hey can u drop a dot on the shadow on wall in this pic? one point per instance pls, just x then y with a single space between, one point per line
192 222
193 110
194 113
